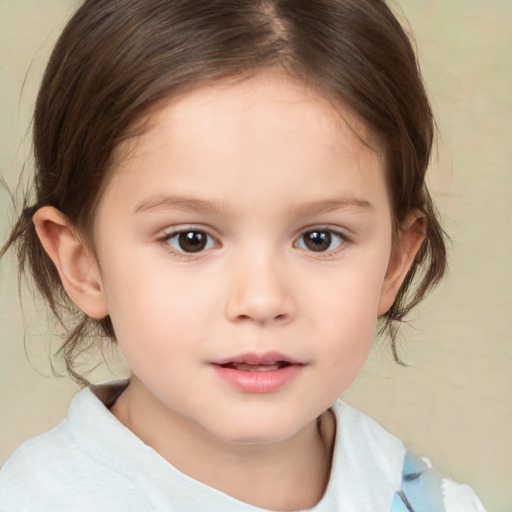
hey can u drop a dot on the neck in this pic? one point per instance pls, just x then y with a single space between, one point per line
291 474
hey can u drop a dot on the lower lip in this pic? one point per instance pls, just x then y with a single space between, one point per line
253 381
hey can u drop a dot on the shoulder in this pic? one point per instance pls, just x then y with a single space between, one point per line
38 460
367 462
54 472
378 463
362 438
40 468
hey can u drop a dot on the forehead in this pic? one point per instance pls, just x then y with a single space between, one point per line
266 127
204 108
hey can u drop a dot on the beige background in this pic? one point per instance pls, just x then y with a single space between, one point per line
454 401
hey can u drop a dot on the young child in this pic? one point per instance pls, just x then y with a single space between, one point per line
233 191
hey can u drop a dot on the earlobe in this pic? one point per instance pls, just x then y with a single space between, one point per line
409 243
76 265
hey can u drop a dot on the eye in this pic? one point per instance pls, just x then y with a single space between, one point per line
320 240
190 241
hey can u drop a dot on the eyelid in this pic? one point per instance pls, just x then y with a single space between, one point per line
325 227
184 228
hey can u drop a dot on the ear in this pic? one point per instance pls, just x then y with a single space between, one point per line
409 241
77 266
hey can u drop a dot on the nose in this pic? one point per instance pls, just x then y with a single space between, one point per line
260 292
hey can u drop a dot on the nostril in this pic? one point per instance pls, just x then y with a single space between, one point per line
277 318
252 305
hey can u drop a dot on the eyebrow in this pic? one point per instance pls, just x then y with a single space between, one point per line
188 204
329 205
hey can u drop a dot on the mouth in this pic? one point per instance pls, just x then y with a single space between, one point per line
268 361
257 367
252 373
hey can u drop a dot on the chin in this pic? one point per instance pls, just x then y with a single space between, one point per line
256 432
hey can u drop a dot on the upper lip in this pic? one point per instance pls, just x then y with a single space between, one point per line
252 358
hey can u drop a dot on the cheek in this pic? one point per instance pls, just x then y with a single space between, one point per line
136 303
156 313
350 294
351 331
350 337
346 313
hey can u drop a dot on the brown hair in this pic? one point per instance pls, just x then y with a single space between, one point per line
117 59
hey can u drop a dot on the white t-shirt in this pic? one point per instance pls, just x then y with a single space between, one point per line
91 462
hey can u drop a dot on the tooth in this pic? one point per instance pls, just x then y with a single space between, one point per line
263 367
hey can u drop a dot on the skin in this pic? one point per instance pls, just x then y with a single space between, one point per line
254 165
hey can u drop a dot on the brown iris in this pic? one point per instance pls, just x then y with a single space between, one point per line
317 241
192 241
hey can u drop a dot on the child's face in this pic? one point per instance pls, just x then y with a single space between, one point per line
249 224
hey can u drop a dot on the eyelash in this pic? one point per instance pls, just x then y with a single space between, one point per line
327 236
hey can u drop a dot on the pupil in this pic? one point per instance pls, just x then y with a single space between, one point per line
192 241
318 241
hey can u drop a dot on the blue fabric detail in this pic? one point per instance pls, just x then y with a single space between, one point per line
420 490
398 505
